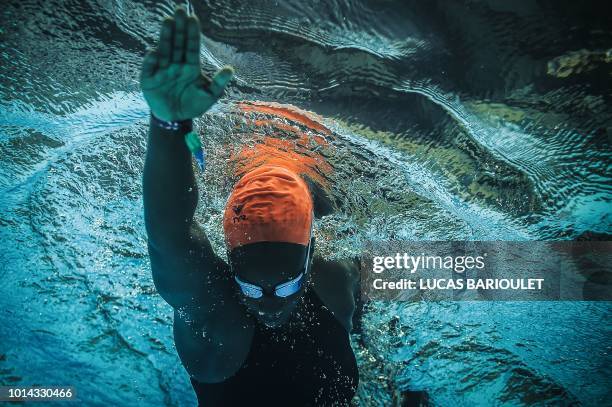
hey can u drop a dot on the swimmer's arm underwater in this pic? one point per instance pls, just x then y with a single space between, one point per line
170 198
182 259
210 325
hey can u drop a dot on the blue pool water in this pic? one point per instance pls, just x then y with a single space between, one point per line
453 121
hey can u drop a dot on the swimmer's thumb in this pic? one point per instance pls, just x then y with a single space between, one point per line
220 80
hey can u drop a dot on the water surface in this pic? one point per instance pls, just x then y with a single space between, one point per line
447 121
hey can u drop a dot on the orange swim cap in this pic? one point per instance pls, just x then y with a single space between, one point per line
268 204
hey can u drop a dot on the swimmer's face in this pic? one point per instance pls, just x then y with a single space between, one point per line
267 265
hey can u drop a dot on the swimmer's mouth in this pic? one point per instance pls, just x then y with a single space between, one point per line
274 315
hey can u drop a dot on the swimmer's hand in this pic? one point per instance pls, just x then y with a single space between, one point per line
171 79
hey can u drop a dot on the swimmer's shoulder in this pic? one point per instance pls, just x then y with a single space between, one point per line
211 330
323 204
336 283
213 346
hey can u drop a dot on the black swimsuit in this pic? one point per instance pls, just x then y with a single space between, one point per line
289 366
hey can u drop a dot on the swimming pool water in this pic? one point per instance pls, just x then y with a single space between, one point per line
451 121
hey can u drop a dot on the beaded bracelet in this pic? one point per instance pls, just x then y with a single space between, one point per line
186 125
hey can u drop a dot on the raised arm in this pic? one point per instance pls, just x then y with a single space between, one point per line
170 189
177 91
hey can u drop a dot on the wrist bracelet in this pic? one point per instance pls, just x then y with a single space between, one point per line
185 125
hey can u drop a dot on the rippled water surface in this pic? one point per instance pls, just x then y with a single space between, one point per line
444 120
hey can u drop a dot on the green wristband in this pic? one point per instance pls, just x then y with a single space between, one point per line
192 139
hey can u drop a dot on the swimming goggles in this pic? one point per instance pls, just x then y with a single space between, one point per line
282 290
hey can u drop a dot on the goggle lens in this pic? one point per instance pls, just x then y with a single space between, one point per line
284 290
249 290
290 287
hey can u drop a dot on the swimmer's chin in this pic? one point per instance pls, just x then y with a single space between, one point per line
274 322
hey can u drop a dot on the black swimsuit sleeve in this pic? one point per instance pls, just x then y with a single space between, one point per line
169 187
181 255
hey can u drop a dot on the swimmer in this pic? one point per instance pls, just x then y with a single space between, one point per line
271 326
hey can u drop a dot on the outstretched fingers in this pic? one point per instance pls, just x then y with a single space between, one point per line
180 35
192 55
165 42
149 64
220 81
